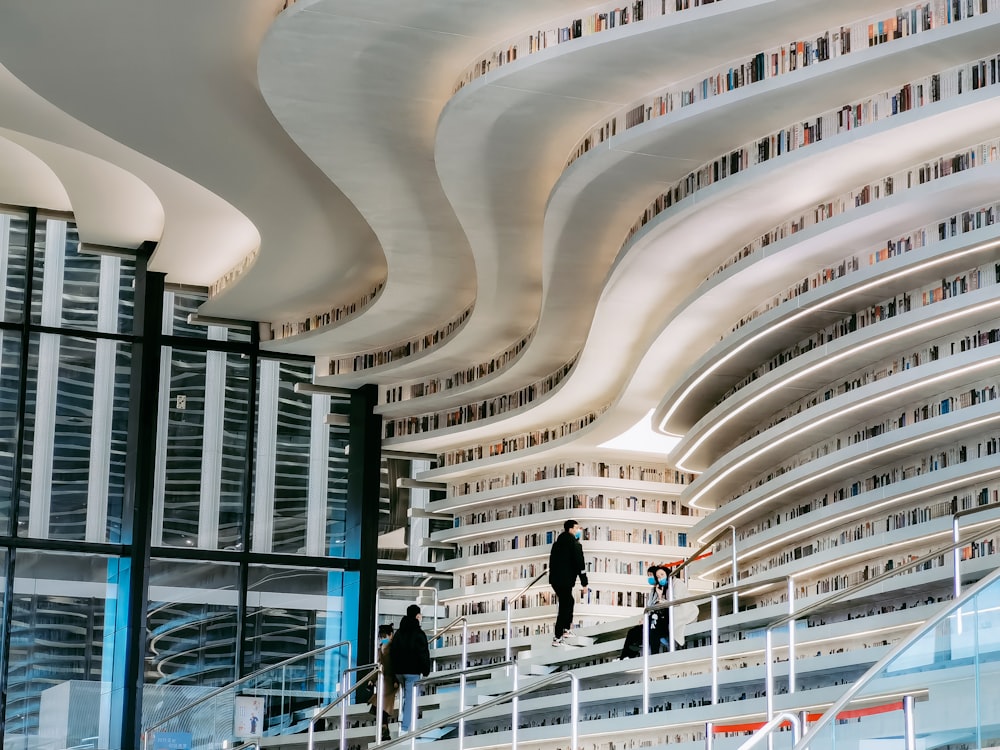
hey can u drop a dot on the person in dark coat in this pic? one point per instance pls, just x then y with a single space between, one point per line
411 658
566 563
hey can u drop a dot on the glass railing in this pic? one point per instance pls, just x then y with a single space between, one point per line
936 689
280 699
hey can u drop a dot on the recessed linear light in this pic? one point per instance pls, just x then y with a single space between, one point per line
826 302
865 404
755 551
822 364
834 358
843 465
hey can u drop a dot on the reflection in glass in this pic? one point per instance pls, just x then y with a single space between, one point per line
59 636
13 263
192 623
10 362
201 453
74 290
75 431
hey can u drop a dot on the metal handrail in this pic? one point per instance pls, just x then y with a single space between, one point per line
835 597
731 530
956 520
513 695
341 701
765 731
148 730
896 650
507 601
449 675
714 597
465 638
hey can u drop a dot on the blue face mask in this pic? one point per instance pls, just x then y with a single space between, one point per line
652 581
578 534
384 641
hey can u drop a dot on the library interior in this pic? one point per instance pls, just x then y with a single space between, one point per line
314 310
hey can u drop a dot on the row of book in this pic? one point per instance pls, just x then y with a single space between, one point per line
329 317
230 276
982 496
367 360
883 369
953 226
983 276
480 410
519 442
975 448
591 532
940 405
602 469
979 155
599 19
797 55
523 509
469 375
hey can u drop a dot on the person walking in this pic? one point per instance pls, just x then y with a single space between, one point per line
411 658
566 563
383 701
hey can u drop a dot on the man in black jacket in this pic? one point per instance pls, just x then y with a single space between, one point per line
411 657
565 564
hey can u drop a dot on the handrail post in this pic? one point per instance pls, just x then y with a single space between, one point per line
645 662
575 709
769 672
715 652
909 733
736 572
513 715
791 635
343 723
461 684
379 687
670 615
709 731
956 556
506 632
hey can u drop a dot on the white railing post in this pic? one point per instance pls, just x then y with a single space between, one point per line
715 650
513 715
769 672
909 730
956 556
736 573
461 684
791 635
645 662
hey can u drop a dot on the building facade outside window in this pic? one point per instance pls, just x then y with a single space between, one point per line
254 534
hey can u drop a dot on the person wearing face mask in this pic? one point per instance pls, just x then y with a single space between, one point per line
658 577
390 686
566 563
681 614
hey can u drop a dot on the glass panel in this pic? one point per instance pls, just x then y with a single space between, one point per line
178 304
13 264
191 618
336 508
280 700
79 291
202 449
10 363
57 688
949 672
75 438
284 483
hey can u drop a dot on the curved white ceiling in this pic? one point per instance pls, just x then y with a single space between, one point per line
328 136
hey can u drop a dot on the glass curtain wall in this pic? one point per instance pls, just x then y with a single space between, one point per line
248 557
